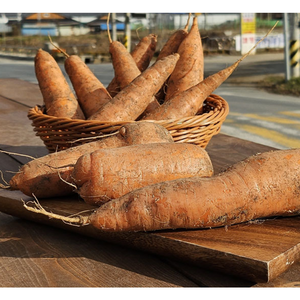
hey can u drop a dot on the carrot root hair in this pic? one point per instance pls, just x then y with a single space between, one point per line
6 185
108 31
59 49
246 54
74 220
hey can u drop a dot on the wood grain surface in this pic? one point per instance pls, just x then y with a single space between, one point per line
257 252
40 252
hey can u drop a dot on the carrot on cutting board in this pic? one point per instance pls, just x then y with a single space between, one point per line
132 101
189 68
188 102
50 175
57 95
106 174
264 185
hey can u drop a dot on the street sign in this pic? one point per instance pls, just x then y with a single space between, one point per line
248 31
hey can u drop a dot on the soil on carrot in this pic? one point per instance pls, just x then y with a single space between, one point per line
278 85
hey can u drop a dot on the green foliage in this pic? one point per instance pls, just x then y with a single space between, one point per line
278 85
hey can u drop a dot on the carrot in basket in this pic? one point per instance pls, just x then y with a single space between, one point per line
90 91
124 65
264 185
170 47
106 174
188 102
189 68
49 176
174 41
132 101
144 51
58 97
142 55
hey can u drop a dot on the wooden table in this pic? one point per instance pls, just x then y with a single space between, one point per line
34 254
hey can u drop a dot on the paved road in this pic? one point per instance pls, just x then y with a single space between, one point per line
255 115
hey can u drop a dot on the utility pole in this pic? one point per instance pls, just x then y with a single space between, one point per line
113 27
127 36
294 46
286 46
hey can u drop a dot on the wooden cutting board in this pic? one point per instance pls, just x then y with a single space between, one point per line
257 251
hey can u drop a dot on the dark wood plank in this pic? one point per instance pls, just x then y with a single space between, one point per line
23 154
225 150
208 278
35 255
290 278
257 252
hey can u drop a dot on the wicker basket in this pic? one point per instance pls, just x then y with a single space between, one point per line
62 133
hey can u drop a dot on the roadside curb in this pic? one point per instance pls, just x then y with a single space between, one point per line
251 80
16 56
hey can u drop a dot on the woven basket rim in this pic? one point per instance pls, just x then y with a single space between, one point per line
60 133
36 113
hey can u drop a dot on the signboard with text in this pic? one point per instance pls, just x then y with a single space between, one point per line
248 31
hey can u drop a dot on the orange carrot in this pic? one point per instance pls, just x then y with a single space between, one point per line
170 47
106 174
189 68
50 175
265 185
174 41
132 101
58 97
90 91
124 65
142 55
144 51
188 102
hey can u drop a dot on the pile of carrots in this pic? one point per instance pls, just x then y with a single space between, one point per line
140 179
170 86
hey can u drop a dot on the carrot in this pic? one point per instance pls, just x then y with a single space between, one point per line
152 106
50 175
142 55
170 47
143 52
132 101
91 93
189 68
106 174
124 65
57 95
174 41
188 102
264 185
